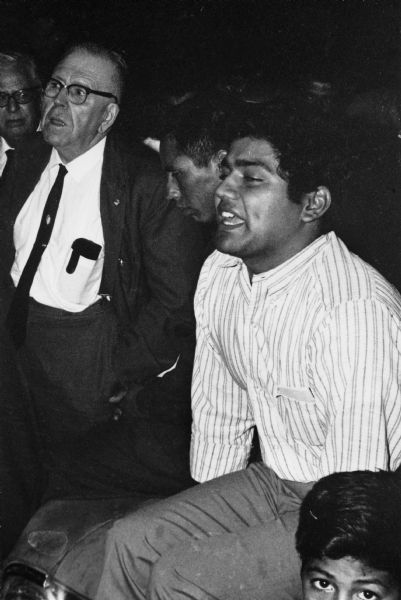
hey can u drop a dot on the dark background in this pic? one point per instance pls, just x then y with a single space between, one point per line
176 44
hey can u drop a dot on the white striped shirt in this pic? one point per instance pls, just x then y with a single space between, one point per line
309 354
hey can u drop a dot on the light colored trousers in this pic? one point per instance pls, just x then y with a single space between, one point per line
229 538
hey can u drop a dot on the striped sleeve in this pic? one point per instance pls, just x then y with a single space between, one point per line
221 418
357 366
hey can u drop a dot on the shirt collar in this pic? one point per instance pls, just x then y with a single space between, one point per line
80 166
283 275
4 146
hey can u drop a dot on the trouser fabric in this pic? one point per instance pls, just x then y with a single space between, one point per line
67 361
145 451
125 457
229 538
21 477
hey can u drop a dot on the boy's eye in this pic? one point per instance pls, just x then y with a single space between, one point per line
323 584
177 176
250 178
367 595
253 175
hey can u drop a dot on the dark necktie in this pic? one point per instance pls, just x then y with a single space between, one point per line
18 313
7 168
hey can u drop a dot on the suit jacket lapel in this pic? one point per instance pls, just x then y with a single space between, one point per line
113 200
31 164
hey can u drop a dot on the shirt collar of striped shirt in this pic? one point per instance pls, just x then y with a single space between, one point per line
283 275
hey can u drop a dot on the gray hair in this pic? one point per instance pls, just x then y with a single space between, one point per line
19 61
116 59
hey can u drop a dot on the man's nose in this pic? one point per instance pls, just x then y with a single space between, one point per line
173 192
12 105
342 595
62 97
225 191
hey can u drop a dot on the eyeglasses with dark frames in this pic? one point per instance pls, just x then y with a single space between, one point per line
76 93
23 96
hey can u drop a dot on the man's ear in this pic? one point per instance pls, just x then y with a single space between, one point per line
109 116
218 157
315 204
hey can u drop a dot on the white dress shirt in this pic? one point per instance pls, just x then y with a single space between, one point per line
78 216
3 156
309 353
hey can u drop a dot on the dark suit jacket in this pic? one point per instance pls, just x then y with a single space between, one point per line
152 259
152 254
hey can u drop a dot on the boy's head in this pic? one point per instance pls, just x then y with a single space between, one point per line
284 161
191 154
311 145
349 537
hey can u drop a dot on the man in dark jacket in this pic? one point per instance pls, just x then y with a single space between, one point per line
20 472
107 308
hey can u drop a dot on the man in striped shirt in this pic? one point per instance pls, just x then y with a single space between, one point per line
296 337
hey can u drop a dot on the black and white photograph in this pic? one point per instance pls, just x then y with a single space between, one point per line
200 300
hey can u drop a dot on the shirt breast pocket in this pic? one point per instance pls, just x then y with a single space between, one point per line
83 250
299 411
79 280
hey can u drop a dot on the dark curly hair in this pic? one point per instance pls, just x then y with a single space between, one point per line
311 144
354 514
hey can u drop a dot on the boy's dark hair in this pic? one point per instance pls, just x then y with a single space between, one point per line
310 144
199 130
356 514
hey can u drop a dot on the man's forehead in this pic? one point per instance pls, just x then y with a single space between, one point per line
171 157
14 78
347 569
251 151
85 65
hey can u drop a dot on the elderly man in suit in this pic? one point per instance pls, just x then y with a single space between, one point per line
103 264
20 87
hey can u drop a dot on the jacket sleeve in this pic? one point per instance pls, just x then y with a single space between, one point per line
161 327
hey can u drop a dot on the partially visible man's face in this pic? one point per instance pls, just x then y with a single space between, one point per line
72 129
256 219
18 120
346 579
192 187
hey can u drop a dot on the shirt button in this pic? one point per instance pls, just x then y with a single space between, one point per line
116 202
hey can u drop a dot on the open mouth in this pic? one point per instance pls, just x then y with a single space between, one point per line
56 121
229 220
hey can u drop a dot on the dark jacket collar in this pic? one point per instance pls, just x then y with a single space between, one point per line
114 195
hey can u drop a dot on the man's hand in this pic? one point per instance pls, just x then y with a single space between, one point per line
118 392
